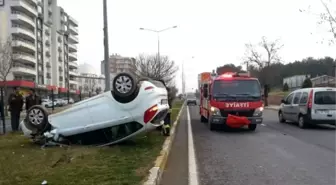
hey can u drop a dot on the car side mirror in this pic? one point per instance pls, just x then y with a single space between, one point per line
283 101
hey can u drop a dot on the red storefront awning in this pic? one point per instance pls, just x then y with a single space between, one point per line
51 87
62 89
18 83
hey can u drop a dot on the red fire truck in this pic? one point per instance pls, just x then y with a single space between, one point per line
231 95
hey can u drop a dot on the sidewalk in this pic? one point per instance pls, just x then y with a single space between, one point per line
273 107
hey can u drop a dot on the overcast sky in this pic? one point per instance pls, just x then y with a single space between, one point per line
213 31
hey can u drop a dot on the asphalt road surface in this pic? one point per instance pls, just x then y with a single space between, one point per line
275 154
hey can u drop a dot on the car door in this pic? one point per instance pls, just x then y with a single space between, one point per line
295 108
287 106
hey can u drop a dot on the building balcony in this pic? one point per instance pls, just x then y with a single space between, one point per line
72 21
72 57
73 65
73 73
25 33
26 7
24 58
35 2
23 70
73 30
21 18
72 48
73 39
74 82
23 46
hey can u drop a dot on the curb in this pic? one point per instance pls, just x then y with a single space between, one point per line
155 173
272 108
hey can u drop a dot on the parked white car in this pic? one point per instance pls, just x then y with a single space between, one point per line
47 103
131 108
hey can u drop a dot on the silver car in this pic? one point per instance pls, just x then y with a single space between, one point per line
309 106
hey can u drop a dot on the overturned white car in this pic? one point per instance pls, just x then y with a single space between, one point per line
132 107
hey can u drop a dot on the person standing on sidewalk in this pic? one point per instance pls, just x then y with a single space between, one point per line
32 99
15 102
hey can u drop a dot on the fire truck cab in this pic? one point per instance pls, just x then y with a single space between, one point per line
227 94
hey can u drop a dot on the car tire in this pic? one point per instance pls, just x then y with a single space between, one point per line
301 122
124 85
211 126
280 116
37 117
252 127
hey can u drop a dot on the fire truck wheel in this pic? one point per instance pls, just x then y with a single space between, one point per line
203 119
252 127
211 126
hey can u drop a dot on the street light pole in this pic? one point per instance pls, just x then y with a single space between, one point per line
158 36
106 49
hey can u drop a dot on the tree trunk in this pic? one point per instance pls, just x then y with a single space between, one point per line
5 99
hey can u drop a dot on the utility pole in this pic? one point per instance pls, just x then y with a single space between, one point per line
159 60
106 49
183 79
158 37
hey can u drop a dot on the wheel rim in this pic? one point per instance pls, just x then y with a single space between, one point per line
123 84
36 116
280 117
301 122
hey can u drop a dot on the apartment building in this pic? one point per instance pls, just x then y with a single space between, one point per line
44 39
119 64
89 81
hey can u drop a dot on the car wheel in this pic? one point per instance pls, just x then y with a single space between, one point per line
281 119
211 126
252 127
124 85
302 122
37 117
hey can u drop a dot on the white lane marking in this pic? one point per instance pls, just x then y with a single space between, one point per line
192 166
263 125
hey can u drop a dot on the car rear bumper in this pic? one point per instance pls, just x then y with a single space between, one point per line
191 102
320 122
222 120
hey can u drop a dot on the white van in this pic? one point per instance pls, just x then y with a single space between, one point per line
309 106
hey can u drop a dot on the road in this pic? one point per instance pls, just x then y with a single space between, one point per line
276 154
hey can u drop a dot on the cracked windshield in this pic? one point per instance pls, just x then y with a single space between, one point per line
167 92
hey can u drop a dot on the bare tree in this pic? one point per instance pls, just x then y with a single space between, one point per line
7 58
329 17
264 53
148 66
326 18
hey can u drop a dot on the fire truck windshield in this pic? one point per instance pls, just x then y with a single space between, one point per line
237 88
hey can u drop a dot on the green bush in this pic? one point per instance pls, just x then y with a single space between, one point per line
307 83
285 87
